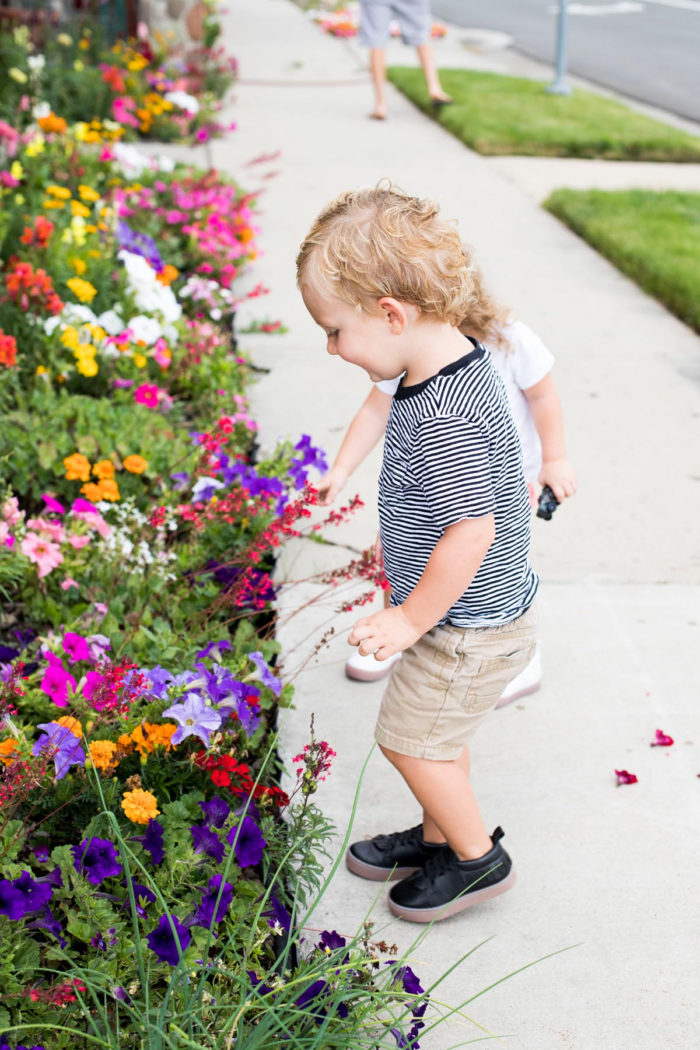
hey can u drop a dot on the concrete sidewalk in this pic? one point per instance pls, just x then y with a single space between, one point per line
610 870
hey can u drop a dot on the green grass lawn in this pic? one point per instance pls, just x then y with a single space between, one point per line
653 237
495 114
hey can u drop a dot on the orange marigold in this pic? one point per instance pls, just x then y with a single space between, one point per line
104 469
77 467
52 123
8 750
71 723
102 753
140 806
167 275
135 464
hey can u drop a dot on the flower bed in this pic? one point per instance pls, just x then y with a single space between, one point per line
154 877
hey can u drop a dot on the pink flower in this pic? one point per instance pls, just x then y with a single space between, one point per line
8 181
623 777
661 739
147 394
78 542
4 533
121 111
56 681
53 504
93 682
68 583
50 530
10 511
76 647
161 353
45 554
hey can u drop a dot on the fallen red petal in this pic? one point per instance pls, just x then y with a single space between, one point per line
623 777
661 739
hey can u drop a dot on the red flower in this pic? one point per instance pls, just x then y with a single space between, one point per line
661 739
8 350
623 777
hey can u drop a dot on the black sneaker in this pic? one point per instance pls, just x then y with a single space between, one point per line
391 856
446 885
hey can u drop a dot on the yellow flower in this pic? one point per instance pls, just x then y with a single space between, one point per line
87 193
125 744
109 490
78 66
8 750
84 44
79 265
92 492
71 723
140 806
104 469
70 338
59 191
140 361
135 464
19 198
149 735
36 146
53 204
88 367
77 467
137 62
102 754
41 371
97 333
79 209
18 75
16 170
81 131
64 40
81 289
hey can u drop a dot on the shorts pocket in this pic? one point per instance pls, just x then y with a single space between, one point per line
491 674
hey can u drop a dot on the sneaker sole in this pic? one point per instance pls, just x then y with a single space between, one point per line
367 676
373 872
456 906
527 691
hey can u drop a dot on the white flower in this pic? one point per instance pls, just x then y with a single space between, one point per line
41 109
51 323
36 63
130 160
145 328
111 322
180 98
77 313
165 164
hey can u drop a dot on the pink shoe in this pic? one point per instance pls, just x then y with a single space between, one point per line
525 683
367 669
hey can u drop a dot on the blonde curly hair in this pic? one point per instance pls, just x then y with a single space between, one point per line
379 241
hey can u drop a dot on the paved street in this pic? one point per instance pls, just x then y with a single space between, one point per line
648 50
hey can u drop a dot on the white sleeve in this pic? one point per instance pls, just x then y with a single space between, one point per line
389 386
530 360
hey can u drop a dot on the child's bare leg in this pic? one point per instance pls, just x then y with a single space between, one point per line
378 71
445 793
431 832
426 57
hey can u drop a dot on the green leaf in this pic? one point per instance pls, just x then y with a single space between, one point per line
47 454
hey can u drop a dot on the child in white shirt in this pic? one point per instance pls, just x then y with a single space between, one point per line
524 363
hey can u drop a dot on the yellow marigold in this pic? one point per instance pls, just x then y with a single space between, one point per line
92 492
84 350
87 366
87 193
71 723
70 338
78 208
167 275
53 204
140 361
41 371
58 191
79 265
140 806
8 750
104 469
102 754
135 464
81 289
77 467
125 744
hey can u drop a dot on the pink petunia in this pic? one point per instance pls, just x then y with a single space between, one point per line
623 777
10 511
75 646
661 739
53 504
56 681
78 542
147 394
49 530
45 554
68 583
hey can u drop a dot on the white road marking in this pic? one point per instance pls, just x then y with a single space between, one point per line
625 7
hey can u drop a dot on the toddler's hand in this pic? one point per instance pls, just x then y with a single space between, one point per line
560 476
330 485
385 633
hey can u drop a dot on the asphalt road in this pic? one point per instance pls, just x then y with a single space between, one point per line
647 49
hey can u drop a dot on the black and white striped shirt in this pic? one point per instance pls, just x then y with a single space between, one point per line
452 452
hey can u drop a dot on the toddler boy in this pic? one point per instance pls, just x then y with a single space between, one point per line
389 282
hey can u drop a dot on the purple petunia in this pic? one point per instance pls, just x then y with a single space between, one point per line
248 843
276 914
35 895
164 939
206 841
216 811
152 841
96 859
266 674
48 921
215 648
11 901
139 244
208 911
142 897
159 679
62 745
195 717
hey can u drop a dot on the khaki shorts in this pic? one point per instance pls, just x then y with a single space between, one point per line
446 684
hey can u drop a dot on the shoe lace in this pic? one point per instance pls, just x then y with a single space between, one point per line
401 838
440 861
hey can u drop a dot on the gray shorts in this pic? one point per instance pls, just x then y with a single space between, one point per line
413 17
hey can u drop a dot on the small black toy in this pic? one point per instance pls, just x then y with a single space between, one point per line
546 504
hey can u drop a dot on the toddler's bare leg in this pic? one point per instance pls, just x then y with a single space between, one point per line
445 793
431 832
378 71
426 56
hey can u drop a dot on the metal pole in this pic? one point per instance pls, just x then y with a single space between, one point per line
559 85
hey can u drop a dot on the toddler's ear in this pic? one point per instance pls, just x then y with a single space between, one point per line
395 313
